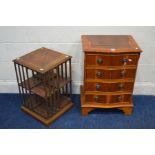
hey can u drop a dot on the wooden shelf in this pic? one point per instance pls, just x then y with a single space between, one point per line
45 92
33 81
60 82
37 86
41 90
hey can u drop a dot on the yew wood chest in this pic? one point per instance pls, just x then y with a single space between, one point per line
110 64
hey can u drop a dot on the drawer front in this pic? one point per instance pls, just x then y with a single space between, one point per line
111 60
121 86
120 98
119 60
98 60
123 74
109 87
96 86
110 74
104 99
96 98
97 74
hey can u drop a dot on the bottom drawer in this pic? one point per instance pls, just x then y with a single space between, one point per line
120 98
96 98
108 98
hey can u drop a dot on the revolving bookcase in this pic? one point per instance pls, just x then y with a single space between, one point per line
45 84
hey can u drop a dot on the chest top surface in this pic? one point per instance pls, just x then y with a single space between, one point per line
109 44
42 59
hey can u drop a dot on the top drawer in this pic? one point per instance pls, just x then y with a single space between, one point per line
111 60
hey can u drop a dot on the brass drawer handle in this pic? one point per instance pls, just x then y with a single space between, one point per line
96 98
123 73
99 74
118 98
98 86
121 86
100 61
125 60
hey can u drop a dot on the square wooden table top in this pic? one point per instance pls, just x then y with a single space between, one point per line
42 59
109 43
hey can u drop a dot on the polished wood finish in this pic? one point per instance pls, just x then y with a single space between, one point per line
110 44
109 87
110 64
37 113
42 59
45 84
111 60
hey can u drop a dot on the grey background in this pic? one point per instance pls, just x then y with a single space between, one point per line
16 41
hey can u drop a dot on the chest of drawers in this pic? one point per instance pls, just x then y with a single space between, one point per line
110 64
